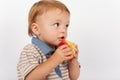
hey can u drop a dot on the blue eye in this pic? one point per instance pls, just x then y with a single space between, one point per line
56 25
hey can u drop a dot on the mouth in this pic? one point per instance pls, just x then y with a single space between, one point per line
61 38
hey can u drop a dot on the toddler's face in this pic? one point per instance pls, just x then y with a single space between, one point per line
53 26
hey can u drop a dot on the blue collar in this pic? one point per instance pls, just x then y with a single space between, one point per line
45 50
43 46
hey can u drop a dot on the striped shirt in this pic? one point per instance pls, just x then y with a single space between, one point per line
31 56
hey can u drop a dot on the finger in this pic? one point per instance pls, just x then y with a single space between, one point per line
76 55
63 47
69 57
67 49
76 48
68 53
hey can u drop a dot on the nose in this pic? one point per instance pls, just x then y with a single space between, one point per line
63 30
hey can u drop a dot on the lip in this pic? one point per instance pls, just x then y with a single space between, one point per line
61 38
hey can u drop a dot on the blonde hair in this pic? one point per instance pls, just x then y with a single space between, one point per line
41 7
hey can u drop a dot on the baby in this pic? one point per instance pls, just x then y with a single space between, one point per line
42 59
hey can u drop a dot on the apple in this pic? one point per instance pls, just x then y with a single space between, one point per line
63 42
69 43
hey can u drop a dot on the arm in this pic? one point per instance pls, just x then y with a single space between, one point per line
74 67
43 69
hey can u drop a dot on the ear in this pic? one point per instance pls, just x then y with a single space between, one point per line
35 29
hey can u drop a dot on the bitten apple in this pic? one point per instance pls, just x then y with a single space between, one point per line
69 43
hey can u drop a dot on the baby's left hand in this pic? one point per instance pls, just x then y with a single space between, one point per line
75 55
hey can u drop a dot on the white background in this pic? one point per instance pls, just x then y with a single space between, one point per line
95 27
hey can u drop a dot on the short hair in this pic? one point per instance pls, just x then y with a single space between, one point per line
41 7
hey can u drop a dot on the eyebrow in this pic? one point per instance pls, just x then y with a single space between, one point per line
61 21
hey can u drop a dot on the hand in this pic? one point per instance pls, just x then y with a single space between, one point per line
77 51
75 55
63 53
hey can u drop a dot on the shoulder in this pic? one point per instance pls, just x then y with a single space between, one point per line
30 49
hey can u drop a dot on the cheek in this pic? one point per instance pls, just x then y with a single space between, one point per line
66 34
50 33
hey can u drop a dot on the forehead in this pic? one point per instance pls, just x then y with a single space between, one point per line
56 14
